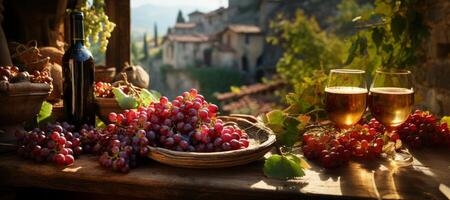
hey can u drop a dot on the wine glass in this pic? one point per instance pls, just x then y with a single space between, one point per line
391 100
345 96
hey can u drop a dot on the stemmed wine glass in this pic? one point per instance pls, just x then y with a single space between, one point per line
391 100
345 96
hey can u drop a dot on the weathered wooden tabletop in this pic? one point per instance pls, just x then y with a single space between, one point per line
376 180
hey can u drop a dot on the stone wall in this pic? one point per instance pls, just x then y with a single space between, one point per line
433 71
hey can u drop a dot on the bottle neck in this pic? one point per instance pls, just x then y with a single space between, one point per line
77 31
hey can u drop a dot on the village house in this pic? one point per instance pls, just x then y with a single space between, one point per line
244 43
218 39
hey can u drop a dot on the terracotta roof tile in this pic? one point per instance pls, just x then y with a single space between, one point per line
189 38
243 28
185 25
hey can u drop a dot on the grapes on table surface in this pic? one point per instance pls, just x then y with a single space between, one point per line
55 143
333 148
424 129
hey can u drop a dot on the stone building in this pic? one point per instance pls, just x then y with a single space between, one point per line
246 44
181 51
433 72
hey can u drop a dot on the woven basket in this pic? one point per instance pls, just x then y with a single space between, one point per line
261 138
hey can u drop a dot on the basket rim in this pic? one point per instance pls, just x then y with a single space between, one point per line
271 139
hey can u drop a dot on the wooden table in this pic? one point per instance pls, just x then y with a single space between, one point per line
375 180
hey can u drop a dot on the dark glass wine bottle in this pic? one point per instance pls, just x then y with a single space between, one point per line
78 73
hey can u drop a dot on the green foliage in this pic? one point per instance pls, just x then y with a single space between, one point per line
445 119
215 79
283 166
347 11
390 35
144 98
309 53
45 113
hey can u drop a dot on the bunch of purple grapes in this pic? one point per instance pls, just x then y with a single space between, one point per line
188 123
54 143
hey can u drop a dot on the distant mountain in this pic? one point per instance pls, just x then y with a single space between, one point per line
143 18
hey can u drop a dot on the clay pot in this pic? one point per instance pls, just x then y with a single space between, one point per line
104 106
104 74
56 74
19 102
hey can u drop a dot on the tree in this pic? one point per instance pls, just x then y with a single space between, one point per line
145 47
180 18
155 34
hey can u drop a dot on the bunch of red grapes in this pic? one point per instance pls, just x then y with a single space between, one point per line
54 143
423 129
13 75
41 77
103 89
188 123
333 148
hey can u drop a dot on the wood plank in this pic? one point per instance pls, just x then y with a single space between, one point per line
374 180
119 47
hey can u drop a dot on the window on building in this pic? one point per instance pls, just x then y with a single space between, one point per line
247 39
228 39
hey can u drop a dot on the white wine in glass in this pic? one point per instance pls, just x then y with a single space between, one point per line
391 100
345 96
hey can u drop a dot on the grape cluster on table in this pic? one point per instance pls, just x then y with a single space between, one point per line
188 123
333 148
423 129
55 143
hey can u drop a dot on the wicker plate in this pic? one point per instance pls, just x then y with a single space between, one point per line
261 139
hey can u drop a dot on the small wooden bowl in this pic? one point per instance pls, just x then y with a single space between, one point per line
104 106
104 74
261 138
19 102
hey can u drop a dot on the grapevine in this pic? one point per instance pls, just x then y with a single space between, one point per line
97 26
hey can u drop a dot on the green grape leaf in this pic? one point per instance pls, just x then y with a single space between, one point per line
363 46
283 167
99 123
377 36
124 101
298 160
275 117
398 25
290 134
445 119
45 113
147 97
352 51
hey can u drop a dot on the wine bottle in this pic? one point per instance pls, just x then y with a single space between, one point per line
78 73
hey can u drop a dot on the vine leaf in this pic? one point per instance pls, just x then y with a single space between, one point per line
147 97
398 25
45 113
275 117
377 36
352 51
290 134
446 119
283 167
363 46
304 120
